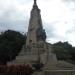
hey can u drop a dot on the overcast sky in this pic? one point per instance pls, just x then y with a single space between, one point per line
58 17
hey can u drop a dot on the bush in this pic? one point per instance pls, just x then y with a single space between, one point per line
16 70
3 68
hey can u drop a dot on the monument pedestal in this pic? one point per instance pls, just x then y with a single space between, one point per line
59 68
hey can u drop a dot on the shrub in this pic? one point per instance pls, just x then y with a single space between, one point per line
16 69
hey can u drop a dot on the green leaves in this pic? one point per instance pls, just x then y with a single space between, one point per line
64 51
10 45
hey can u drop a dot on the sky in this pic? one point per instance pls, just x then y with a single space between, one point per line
58 17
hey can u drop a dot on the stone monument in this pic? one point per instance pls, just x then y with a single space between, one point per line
37 49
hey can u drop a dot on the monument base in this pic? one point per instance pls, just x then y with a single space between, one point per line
59 68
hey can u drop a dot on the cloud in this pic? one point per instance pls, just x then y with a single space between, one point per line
71 37
69 0
11 17
14 25
58 17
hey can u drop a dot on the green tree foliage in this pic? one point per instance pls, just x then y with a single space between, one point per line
10 45
72 52
64 51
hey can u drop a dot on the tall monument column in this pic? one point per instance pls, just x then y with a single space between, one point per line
35 47
36 33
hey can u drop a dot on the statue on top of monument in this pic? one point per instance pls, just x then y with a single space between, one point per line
34 1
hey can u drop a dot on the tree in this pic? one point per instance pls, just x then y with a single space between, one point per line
10 45
61 53
63 50
72 52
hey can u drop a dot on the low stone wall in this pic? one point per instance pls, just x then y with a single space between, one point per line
59 72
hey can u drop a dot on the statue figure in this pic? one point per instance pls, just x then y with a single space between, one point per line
34 1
